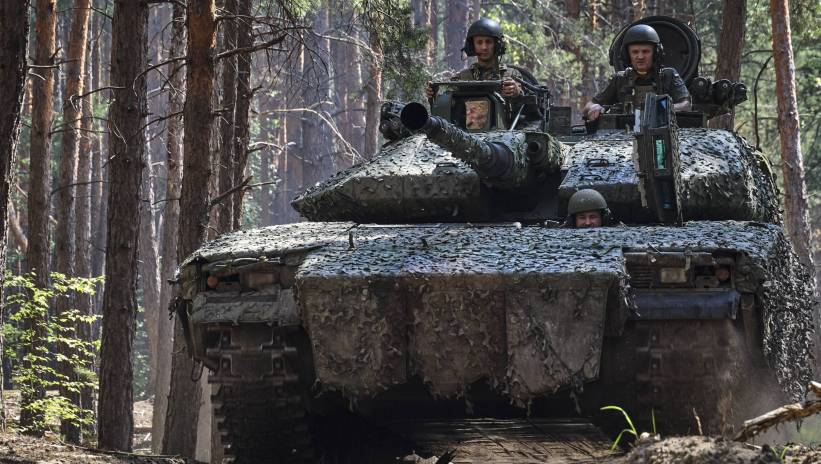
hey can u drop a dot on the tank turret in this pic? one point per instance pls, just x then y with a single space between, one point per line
477 157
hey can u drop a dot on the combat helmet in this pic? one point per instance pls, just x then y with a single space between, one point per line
642 34
587 200
489 28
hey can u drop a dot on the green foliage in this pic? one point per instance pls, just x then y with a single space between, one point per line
631 429
402 46
48 340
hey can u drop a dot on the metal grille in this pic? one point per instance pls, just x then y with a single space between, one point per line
641 276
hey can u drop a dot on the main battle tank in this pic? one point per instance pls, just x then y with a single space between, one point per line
432 296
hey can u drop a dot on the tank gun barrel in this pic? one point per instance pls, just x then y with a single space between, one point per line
491 160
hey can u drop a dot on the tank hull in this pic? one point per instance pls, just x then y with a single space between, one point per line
530 314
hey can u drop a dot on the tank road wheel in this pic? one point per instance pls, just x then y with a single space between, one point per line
257 401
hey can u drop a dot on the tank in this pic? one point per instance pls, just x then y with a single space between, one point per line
431 301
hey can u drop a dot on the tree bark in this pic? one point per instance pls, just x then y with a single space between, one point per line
291 167
149 267
64 231
374 98
422 18
82 233
39 182
731 44
126 146
225 177
14 33
795 190
184 399
244 94
347 66
456 23
171 219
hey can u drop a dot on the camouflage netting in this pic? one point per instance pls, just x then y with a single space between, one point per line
722 176
523 307
414 179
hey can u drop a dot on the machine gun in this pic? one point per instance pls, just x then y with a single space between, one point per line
658 159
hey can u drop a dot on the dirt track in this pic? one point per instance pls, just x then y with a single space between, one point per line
17 449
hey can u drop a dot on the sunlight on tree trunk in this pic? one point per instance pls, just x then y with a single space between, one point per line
64 232
792 167
39 182
184 398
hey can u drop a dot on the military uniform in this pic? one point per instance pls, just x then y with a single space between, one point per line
476 73
629 87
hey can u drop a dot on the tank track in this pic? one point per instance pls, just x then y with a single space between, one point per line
695 376
257 399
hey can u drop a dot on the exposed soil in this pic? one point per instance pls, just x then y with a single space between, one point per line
18 449
709 450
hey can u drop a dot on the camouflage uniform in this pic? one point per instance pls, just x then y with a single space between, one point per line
476 73
628 87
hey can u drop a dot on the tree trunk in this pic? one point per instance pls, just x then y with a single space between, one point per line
291 168
99 206
171 218
184 399
374 101
347 66
82 233
14 36
64 231
225 180
455 30
795 190
126 145
149 266
39 183
422 18
244 94
731 43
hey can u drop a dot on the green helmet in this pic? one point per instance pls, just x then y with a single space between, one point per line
586 200
488 28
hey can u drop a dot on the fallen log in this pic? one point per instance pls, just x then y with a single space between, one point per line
786 413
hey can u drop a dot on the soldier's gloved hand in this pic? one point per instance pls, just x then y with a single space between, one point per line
510 88
429 90
593 111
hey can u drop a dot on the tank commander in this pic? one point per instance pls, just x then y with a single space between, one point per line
486 42
587 208
641 48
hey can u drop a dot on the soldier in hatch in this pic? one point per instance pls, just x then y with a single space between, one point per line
587 208
641 48
486 42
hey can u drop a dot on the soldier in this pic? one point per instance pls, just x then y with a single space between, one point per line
587 208
643 50
486 42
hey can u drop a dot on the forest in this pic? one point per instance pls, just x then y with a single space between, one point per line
134 131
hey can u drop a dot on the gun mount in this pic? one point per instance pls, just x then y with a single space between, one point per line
495 160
